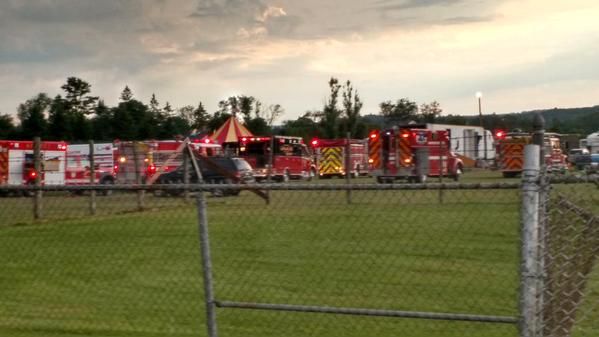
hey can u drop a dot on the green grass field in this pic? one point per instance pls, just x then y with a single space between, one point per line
127 273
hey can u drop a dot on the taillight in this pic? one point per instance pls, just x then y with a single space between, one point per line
32 174
116 168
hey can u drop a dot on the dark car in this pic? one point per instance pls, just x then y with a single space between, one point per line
215 170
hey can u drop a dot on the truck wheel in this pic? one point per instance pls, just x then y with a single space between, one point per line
458 173
107 182
217 192
285 178
311 174
29 193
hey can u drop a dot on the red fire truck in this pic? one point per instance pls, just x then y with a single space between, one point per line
412 154
78 164
291 158
510 152
17 165
330 157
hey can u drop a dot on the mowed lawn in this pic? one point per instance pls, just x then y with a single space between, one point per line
129 273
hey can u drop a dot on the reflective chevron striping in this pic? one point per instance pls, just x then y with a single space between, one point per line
331 160
405 152
374 152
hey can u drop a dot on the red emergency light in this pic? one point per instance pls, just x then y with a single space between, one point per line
500 134
405 135
314 142
373 135
207 141
151 169
32 174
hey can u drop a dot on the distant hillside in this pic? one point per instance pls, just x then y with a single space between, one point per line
575 120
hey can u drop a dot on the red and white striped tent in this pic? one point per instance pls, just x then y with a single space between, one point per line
230 132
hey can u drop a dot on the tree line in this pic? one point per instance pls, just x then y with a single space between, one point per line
77 115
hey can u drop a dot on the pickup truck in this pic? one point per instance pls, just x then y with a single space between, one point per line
579 158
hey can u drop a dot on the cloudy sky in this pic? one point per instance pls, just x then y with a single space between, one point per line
522 54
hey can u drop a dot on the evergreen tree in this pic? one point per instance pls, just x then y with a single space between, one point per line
32 116
126 94
201 118
59 121
7 128
101 123
77 98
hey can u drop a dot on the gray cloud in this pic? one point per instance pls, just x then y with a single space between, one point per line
409 4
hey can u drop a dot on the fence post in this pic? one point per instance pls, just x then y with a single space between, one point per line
538 136
348 168
441 170
37 166
92 178
270 162
140 193
186 174
205 251
530 268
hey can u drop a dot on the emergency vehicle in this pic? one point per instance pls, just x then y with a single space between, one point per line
134 159
510 152
330 156
167 155
472 144
78 164
17 166
591 142
291 158
412 154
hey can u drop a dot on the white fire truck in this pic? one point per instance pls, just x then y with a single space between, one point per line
78 168
17 165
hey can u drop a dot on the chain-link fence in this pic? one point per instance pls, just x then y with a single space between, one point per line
312 260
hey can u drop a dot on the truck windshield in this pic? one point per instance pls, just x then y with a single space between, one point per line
242 165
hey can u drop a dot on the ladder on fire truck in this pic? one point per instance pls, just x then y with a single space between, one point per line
186 146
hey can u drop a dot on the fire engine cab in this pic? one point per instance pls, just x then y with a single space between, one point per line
331 155
17 164
291 158
412 154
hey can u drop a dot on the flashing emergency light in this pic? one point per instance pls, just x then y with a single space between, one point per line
32 174
207 141
151 169
405 135
407 160
373 135
499 134
242 149
122 159
244 139
314 142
